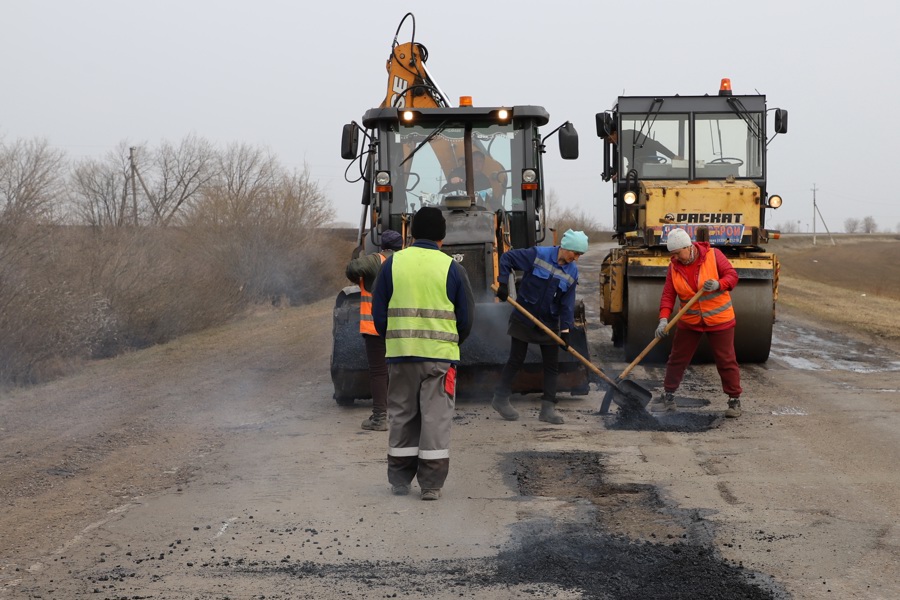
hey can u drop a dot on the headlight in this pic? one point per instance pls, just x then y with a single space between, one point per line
408 115
503 114
630 197
774 201
382 178
529 175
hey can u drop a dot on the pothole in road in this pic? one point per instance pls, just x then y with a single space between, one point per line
605 560
679 421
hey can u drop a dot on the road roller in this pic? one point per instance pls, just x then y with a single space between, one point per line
697 162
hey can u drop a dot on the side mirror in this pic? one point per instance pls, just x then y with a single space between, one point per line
781 120
568 142
349 141
604 123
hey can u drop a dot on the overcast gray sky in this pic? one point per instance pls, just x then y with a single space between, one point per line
287 74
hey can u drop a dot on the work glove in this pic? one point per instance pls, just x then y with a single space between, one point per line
710 285
564 336
503 292
661 328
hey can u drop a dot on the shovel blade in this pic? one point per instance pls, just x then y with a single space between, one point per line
636 392
625 394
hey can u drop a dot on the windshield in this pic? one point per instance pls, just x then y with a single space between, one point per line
428 165
658 146
654 145
726 145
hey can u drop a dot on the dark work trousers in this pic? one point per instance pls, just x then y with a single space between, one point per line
421 401
378 373
517 351
722 344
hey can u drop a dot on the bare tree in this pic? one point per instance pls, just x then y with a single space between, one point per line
244 177
31 181
99 190
851 225
178 174
869 225
787 227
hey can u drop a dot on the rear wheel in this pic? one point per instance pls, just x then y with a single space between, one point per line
754 309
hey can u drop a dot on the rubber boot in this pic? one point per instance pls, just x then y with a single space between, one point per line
549 414
501 405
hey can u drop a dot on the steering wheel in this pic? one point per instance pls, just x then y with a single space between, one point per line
726 160
658 160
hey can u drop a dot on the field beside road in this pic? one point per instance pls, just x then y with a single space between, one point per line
854 284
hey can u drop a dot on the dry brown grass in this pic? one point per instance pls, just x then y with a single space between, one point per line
72 294
852 286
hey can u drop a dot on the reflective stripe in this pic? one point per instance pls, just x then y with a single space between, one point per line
434 454
403 452
554 270
422 313
716 311
445 336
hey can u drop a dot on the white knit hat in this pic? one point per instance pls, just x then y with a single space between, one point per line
678 239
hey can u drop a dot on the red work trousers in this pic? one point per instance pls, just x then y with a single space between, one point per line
722 345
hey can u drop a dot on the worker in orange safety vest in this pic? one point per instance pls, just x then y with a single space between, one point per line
363 271
696 265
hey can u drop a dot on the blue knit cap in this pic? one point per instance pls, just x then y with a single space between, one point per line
576 241
391 240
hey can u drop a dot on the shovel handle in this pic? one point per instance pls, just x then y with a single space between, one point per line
594 369
655 340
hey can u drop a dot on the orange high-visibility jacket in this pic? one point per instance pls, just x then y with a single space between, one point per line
366 324
713 308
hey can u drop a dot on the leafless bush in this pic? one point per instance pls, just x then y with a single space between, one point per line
788 227
240 230
579 220
851 225
259 222
562 219
47 318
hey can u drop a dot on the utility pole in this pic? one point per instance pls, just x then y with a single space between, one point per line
824 224
133 190
814 188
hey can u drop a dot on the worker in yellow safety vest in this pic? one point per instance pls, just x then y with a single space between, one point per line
424 306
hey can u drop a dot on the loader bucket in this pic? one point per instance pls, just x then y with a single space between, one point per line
482 355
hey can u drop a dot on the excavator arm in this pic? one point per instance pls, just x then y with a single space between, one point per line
409 83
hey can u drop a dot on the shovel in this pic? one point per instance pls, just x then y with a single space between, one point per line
632 386
632 398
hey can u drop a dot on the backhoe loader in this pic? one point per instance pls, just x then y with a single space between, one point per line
483 167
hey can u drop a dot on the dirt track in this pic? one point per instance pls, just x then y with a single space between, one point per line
218 466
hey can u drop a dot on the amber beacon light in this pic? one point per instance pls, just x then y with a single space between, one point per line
725 87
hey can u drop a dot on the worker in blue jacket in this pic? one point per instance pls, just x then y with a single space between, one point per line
547 291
